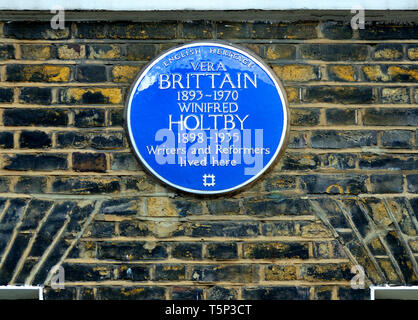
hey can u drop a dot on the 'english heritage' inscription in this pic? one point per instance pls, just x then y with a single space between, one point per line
207 117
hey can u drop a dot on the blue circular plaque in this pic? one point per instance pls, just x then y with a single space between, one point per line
207 117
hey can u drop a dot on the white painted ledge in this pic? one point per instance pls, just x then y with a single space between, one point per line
167 5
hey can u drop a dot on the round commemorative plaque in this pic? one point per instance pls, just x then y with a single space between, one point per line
207 117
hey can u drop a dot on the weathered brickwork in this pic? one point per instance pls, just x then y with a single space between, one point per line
72 193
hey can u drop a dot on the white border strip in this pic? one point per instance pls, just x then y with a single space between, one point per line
373 289
229 47
33 288
146 5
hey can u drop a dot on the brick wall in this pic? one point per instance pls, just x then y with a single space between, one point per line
72 193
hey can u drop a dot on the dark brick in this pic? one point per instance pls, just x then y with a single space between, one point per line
86 118
223 206
30 185
53 258
116 117
330 139
197 29
388 183
6 140
323 293
344 95
79 216
101 229
91 73
300 161
4 187
130 293
79 185
327 272
35 212
7 51
39 162
34 30
131 228
231 273
280 182
220 293
390 116
6 95
19 245
86 162
35 140
277 250
334 52
294 30
341 116
143 30
304 116
334 184
276 205
36 95
336 30
25 271
131 252
223 229
339 161
139 183
170 272
11 216
320 250
233 30
412 180
222 251
134 272
186 207
87 272
384 31
72 140
276 293
36 117
37 73
140 52
187 251
397 139
353 294
279 228
124 161
401 255
85 294
91 30
67 293
297 140
50 229
187 293
388 161
121 207
108 141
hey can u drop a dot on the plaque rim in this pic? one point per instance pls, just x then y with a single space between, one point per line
279 87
